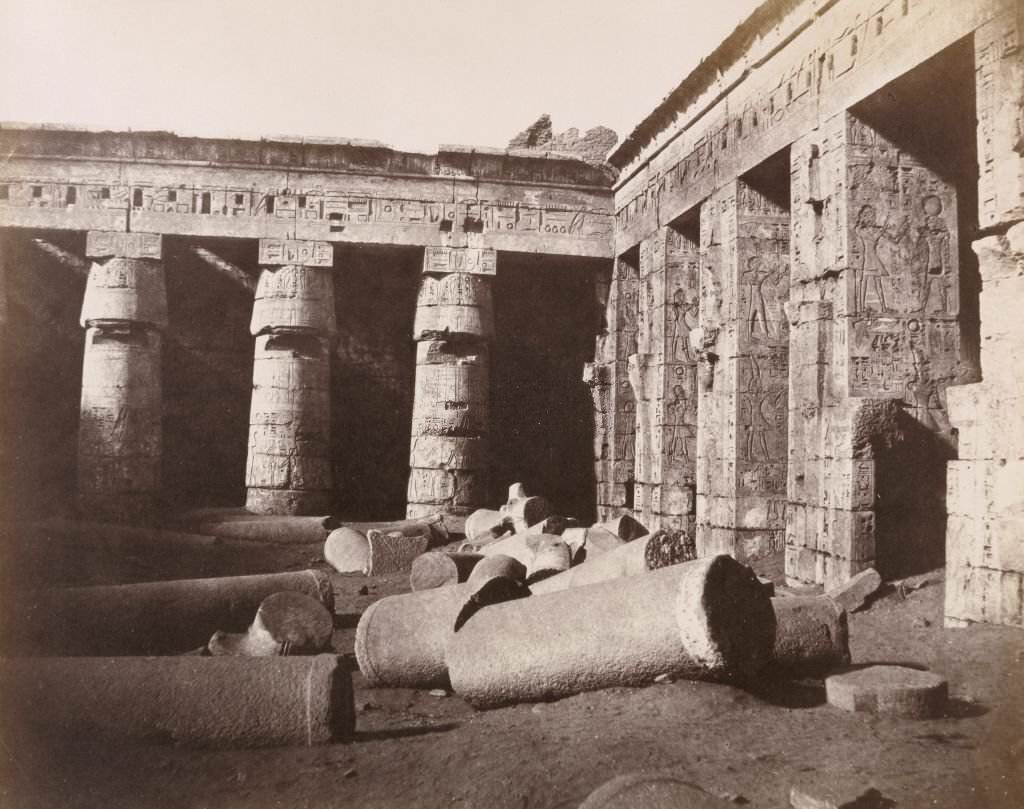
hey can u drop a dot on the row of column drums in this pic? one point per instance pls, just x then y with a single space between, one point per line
288 469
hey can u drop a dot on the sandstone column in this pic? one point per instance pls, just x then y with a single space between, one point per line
289 465
984 551
875 342
449 453
612 395
119 433
664 377
741 455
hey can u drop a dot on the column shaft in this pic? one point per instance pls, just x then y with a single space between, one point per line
289 465
449 453
119 437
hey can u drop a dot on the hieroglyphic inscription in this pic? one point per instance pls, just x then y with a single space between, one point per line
296 251
103 243
477 261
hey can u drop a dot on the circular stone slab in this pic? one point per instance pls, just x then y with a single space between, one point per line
651 791
894 691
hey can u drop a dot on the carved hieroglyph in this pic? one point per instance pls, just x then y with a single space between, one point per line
119 436
741 464
612 395
449 453
288 470
664 379
874 316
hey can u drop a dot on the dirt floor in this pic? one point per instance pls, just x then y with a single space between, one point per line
413 749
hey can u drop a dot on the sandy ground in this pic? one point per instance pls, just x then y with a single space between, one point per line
413 749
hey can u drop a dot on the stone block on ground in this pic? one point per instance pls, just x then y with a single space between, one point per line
892 691
854 594
811 635
377 552
439 569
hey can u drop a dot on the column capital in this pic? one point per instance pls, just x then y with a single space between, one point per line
472 260
299 252
118 244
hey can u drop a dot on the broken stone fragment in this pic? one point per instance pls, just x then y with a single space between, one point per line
168 617
825 795
285 624
589 542
661 549
706 619
484 523
855 593
651 791
400 640
625 528
892 691
440 569
376 553
525 511
498 565
196 701
811 635
550 556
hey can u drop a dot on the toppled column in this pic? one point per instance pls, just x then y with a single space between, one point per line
742 452
449 454
664 379
706 619
119 434
164 617
875 344
293 320
195 701
401 640
286 623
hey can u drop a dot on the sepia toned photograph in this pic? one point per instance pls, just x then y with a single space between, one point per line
537 404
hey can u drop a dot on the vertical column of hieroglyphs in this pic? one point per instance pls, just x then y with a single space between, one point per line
454 326
663 373
119 433
985 500
745 267
289 465
614 403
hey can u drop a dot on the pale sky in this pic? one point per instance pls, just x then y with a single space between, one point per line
411 74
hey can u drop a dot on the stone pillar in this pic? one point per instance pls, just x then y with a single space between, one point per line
664 377
613 396
288 470
119 434
741 455
984 550
449 453
875 341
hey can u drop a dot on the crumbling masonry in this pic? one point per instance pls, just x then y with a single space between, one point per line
782 317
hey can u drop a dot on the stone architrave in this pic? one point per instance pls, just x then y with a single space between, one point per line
289 463
124 311
664 377
873 331
454 326
742 452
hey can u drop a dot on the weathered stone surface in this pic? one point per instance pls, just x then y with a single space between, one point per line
167 617
825 795
550 556
376 552
483 523
892 691
498 565
651 791
855 593
811 635
288 623
440 569
195 701
544 646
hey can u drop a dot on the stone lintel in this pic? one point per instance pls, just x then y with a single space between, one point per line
277 252
473 260
115 244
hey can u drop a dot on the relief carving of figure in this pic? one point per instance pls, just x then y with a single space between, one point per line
872 269
933 254
762 280
684 319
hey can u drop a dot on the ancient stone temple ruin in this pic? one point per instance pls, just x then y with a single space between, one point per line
782 317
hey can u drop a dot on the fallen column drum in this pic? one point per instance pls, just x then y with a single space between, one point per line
705 619
200 701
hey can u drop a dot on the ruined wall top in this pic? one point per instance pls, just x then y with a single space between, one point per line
313 154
